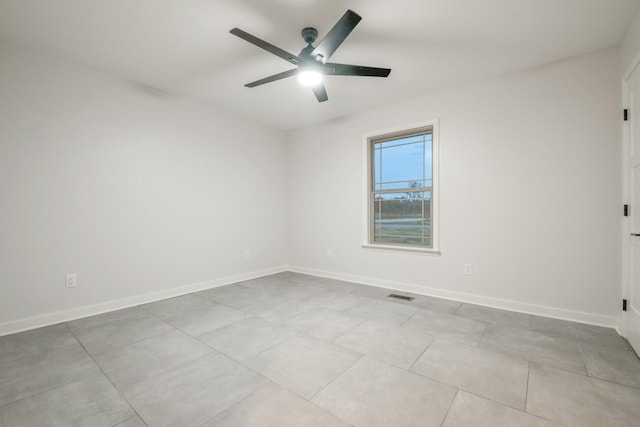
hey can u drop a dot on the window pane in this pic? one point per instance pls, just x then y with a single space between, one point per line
402 140
403 218
403 163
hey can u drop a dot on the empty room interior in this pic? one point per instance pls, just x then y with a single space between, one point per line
319 213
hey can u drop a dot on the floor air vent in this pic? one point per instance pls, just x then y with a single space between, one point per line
402 297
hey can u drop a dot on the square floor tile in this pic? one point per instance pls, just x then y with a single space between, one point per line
374 292
419 301
220 291
303 365
439 305
192 393
201 320
469 410
31 375
336 285
286 310
272 406
128 365
333 300
241 298
119 332
246 338
390 344
372 393
621 367
264 305
382 311
270 284
91 322
301 290
494 376
577 400
282 277
293 277
447 326
494 315
580 332
171 308
92 401
322 323
37 341
535 347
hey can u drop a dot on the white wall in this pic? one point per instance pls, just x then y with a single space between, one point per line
630 46
137 192
144 195
530 193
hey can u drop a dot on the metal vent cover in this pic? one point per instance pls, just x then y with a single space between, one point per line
402 297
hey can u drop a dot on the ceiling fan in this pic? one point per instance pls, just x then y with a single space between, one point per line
312 61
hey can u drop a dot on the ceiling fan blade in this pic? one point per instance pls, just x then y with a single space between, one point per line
333 69
273 78
336 36
320 92
265 45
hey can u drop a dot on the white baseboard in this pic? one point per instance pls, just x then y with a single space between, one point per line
539 310
76 313
91 310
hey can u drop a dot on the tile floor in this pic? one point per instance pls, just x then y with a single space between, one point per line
297 350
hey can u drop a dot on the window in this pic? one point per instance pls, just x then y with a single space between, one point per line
401 199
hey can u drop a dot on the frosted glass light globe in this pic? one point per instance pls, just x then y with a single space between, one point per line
309 78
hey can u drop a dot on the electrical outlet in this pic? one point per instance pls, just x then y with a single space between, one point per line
70 280
468 270
329 253
247 254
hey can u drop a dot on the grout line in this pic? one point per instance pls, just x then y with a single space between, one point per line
104 374
27 356
633 350
325 410
493 401
421 354
450 406
465 390
526 390
351 329
455 313
39 353
269 380
484 331
511 407
338 376
136 341
131 418
48 390
232 406
584 364
410 317
609 381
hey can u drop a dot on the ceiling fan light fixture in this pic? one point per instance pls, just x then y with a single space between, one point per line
309 77
311 63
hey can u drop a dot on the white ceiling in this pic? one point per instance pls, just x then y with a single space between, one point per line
183 46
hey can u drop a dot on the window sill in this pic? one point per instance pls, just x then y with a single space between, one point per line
403 249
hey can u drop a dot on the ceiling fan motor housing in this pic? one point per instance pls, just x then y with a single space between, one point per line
309 34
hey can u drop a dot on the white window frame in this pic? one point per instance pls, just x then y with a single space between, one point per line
435 192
